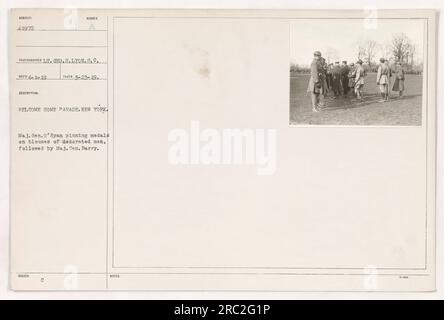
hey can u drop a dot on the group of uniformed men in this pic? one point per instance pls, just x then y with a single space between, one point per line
344 80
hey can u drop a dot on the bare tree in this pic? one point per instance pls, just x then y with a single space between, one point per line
361 51
385 50
412 51
401 46
367 50
370 49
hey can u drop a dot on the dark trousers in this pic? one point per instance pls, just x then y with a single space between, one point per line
336 84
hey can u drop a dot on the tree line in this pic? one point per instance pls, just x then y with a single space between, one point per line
400 48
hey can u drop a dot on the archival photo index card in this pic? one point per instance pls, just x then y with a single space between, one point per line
222 150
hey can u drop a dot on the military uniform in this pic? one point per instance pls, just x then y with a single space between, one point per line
336 79
316 82
351 77
383 79
344 78
399 80
359 80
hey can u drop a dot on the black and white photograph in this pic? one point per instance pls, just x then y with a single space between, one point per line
220 153
359 72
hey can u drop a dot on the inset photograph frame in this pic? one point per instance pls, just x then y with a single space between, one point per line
357 71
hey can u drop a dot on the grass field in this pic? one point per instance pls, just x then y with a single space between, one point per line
349 111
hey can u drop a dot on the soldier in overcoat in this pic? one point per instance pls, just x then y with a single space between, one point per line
398 85
351 78
316 82
336 79
345 69
359 79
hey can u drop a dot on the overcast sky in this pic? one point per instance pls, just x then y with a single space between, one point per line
342 37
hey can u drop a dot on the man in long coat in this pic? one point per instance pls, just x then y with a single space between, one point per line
316 82
359 79
345 69
336 79
351 78
399 79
